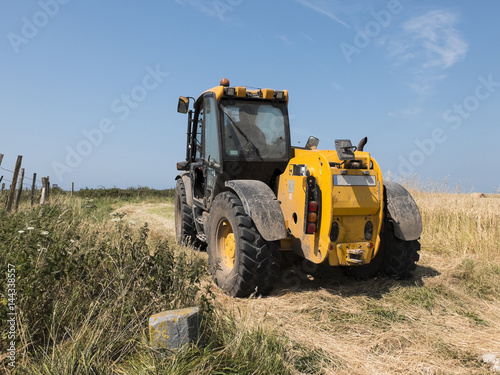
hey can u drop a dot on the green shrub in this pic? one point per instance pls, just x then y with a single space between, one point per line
88 283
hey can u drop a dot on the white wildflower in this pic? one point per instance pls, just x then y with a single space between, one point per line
20 231
30 228
44 233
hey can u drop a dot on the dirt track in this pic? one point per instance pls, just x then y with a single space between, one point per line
159 216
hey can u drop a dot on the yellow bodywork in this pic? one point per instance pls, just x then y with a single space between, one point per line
241 92
349 197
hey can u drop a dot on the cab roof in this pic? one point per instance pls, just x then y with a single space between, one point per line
241 92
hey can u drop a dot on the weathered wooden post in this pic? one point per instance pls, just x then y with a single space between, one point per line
47 190
42 196
10 200
72 188
19 190
33 187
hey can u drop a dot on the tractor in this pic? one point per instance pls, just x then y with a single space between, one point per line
249 197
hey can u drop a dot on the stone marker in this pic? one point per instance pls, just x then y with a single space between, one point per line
175 328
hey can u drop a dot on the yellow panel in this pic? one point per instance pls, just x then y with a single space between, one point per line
267 93
218 91
241 92
292 194
355 200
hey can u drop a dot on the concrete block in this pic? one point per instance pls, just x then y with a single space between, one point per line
175 328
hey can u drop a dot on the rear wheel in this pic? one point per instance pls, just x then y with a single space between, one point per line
240 260
185 231
401 256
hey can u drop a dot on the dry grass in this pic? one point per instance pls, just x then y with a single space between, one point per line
159 216
460 224
439 322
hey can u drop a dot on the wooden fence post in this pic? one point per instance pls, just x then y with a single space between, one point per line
72 188
13 185
19 190
3 186
33 187
42 196
1 158
47 190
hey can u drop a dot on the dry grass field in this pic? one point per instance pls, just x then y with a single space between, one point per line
316 321
439 322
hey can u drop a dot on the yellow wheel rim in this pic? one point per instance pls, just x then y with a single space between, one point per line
226 244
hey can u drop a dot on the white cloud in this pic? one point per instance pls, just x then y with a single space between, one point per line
428 45
431 40
324 8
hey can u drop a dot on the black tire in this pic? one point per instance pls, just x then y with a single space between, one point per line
185 231
400 256
241 261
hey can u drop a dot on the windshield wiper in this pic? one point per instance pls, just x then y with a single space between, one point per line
243 134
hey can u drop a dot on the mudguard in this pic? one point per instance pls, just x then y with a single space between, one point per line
187 185
260 203
403 211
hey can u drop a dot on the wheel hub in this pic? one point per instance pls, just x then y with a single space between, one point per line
227 244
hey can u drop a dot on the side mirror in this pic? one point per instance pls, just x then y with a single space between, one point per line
312 143
183 105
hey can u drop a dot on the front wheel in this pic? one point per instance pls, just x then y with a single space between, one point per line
240 260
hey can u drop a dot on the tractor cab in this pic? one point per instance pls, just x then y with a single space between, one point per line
234 133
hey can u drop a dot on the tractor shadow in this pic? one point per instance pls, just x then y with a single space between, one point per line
307 277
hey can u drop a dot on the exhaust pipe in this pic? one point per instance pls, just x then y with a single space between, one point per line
362 144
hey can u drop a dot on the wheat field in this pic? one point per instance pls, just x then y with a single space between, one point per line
439 322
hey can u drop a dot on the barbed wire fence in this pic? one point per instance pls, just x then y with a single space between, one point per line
17 181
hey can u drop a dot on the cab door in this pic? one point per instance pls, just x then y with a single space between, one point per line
206 165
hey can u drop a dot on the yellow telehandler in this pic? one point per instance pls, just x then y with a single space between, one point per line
246 195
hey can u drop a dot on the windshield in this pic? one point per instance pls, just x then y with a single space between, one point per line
254 130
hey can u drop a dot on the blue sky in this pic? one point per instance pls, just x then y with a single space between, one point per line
89 89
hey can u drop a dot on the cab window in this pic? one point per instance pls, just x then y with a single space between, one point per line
211 153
